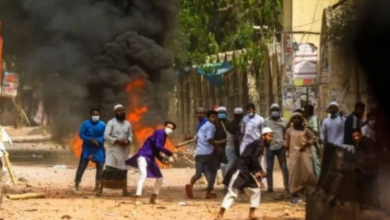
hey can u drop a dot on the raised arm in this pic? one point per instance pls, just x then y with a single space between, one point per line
82 133
107 134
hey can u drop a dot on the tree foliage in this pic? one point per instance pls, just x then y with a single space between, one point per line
342 21
212 26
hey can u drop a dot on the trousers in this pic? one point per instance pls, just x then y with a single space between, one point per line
281 155
254 194
142 166
83 163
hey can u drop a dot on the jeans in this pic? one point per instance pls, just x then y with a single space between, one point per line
201 161
281 155
83 165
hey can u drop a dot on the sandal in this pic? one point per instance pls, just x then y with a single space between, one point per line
189 191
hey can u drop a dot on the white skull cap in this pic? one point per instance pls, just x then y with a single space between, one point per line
238 111
275 105
221 108
118 106
266 130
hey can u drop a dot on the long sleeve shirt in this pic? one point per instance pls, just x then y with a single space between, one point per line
151 149
247 163
89 131
332 131
116 155
251 128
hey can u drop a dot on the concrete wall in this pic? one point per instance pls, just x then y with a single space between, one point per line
306 16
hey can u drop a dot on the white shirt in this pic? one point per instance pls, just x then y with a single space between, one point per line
251 128
332 131
116 155
368 132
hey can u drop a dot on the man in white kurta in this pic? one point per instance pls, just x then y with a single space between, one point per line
118 137
332 135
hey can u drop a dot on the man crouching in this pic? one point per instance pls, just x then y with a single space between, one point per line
245 173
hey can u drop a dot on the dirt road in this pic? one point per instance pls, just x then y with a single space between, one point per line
61 204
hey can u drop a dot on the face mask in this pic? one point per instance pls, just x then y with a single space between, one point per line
251 114
371 123
222 115
275 114
95 118
168 131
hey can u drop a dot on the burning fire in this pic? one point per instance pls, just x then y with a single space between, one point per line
76 144
135 111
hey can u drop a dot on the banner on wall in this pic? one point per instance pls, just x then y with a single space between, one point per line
10 83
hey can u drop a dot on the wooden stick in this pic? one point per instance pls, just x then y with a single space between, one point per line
26 196
190 161
224 128
9 168
185 143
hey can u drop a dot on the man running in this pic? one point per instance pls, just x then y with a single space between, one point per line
205 155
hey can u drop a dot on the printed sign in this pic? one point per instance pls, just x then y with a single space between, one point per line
288 42
9 87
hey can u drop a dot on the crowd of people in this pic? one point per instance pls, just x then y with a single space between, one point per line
243 149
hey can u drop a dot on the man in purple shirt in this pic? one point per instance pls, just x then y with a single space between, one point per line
145 161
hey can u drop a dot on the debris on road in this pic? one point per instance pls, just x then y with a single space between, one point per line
182 204
26 196
59 167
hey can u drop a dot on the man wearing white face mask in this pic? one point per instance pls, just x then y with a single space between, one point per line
251 131
278 125
369 129
92 134
144 159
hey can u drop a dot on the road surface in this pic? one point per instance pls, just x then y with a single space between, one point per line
60 203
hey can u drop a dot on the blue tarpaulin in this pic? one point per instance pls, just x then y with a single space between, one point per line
214 72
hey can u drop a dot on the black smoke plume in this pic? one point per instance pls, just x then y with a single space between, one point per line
83 53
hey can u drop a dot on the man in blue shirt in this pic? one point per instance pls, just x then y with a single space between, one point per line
200 114
204 155
92 134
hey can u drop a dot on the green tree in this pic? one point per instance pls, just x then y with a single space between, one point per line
209 27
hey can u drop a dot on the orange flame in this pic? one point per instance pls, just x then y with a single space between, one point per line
76 144
135 111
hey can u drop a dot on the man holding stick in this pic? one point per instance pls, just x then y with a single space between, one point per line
205 155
